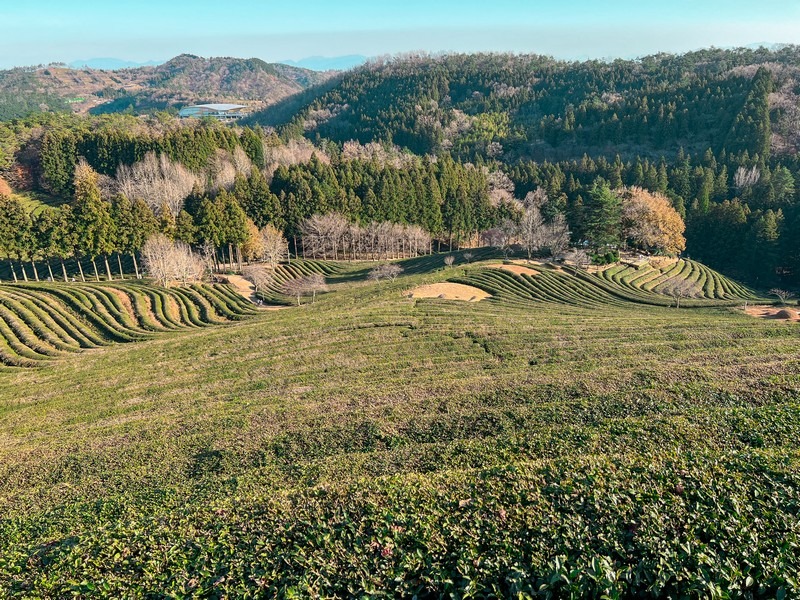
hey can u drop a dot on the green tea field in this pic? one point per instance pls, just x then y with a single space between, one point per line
573 435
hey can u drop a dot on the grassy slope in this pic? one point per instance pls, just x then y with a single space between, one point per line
246 457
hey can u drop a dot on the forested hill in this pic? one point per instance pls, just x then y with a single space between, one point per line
183 79
514 107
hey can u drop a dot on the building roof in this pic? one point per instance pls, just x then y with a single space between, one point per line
218 107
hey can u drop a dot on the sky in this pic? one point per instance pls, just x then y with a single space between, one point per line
44 31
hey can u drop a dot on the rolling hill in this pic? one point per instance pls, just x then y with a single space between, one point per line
370 442
528 106
184 79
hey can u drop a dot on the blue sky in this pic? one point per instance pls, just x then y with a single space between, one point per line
41 31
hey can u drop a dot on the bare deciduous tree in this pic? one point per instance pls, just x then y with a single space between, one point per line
531 230
579 258
557 235
308 285
537 198
333 236
260 277
275 247
158 181
294 152
678 289
388 271
745 178
782 295
468 256
449 260
166 261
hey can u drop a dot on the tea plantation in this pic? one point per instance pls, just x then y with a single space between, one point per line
572 436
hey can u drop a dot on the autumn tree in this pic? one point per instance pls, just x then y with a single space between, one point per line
650 222
253 247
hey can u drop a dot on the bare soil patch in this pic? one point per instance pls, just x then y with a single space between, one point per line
773 312
125 301
518 269
243 287
450 291
662 262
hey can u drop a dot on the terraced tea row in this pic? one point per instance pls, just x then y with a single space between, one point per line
609 287
40 322
294 270
708 283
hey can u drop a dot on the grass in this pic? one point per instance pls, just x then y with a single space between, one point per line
369 444
36 202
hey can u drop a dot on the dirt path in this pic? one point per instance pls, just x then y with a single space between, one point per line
243 287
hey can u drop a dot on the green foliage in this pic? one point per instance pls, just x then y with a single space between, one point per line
602 217
555 452
39 322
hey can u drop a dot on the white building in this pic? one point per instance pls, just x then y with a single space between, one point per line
221 112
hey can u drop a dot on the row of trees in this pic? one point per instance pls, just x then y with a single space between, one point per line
90 227
333 236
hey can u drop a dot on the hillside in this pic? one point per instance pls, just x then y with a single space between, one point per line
375 442
527 106
184 79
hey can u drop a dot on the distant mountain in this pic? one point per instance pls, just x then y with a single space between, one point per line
182 80
328 63
111 64
528 106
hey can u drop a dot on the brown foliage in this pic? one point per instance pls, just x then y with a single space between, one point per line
5 189
650 221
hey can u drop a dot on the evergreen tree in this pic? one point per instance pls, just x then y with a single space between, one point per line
603 217
91 219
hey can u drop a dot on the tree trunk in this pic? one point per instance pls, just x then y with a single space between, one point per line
135 265
108 267
119 262
64 270
50 270
13 272
96 273
80 268
35 271
24 274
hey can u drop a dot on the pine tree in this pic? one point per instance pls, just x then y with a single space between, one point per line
603 217
91 219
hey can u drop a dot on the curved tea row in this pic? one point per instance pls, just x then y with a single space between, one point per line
618 285
42 321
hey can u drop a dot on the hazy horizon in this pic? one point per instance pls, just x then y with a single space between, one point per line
147 30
